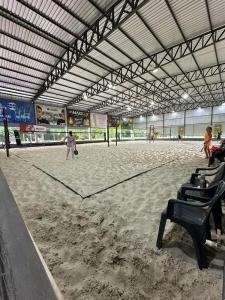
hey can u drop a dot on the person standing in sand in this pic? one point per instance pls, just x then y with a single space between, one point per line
207 141
71 144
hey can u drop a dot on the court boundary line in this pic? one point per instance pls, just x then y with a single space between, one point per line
127 179
58 180
102 190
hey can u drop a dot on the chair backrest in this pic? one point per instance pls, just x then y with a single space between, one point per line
220 174
219 195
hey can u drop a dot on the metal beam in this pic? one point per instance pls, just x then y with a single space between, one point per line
95 34
127 98
182 33
185 106
9 15
165 108
161 58
144 89
214 44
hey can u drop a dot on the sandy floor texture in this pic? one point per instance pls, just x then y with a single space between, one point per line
95 219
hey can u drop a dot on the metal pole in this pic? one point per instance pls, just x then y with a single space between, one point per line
153 133
146 126
163 124
184 123
116 135
211 115
108 130
6 129
90 126
170 132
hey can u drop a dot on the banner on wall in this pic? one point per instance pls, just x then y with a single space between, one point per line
98 120
17 111
76 118
217 130
50 115
26 128
113 121
127 123
32 128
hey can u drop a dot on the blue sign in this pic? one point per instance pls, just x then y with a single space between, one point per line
17 112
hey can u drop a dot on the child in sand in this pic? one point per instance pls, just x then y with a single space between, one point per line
207 141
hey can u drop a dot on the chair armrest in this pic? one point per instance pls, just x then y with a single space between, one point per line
206 169
186 203
193 177
193 188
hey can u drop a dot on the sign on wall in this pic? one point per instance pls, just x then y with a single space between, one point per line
98 120
77 118
50 115
113 121
17 112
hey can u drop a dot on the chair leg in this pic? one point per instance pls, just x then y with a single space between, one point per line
200 253
208 230
161 230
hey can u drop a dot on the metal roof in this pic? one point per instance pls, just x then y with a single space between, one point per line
111 56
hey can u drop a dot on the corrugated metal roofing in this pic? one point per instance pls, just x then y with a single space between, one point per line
122 42
158 17
35 34
191 16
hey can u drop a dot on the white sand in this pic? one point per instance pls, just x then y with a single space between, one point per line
103 247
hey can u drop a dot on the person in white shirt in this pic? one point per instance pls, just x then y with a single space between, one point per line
71 144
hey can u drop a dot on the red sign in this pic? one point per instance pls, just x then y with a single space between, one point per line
26 128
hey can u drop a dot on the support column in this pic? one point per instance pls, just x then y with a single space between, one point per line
89 126
108 130
184 123
6 129
211 121
146 125
163 125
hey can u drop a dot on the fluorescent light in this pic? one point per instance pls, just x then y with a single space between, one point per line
152 103
85 96
110 85
129 108
155 70
185 96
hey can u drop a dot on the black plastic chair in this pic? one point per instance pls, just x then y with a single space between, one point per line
190 189
193 216
219 174
190 192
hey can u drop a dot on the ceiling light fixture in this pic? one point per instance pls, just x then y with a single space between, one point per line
129 108
85 96
155 70
185 96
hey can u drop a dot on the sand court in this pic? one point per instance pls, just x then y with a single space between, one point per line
103 246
